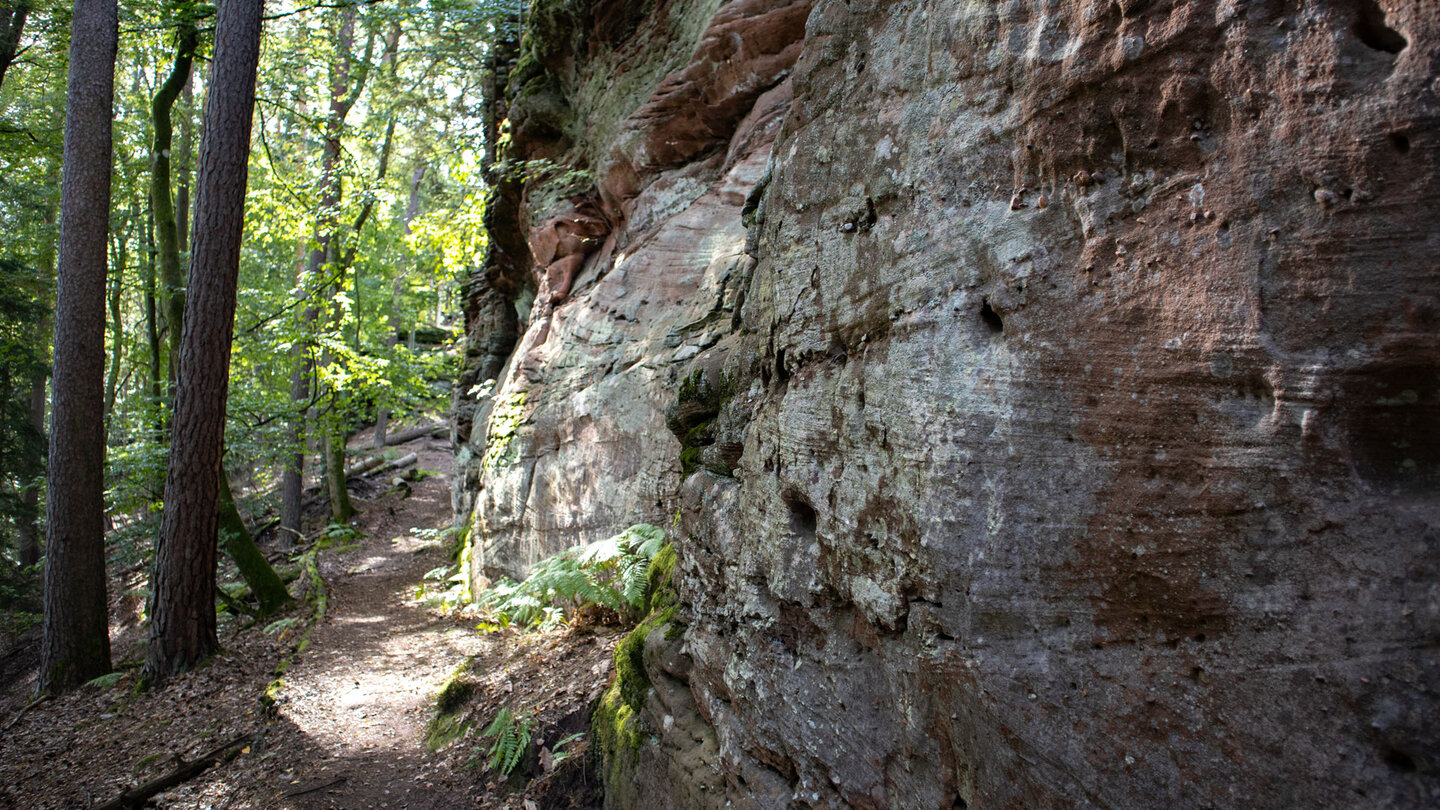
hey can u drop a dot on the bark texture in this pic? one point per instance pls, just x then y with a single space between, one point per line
76 644
12 25
183 616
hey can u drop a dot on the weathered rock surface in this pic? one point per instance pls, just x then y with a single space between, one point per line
1073 442
617 265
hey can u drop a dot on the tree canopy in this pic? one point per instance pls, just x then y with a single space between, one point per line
361 219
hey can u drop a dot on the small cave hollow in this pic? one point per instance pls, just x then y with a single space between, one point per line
1371 29
1400 142
991 318
803 521
1399 761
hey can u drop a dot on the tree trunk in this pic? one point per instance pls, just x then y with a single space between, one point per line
182 625
183 165
347 81
163 207
292 481
264 583
341 507
117 322
152 331
12 24
28 528
76 640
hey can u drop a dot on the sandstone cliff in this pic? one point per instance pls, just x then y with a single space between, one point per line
1045 396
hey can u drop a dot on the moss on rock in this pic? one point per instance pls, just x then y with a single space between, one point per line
450 722
616 725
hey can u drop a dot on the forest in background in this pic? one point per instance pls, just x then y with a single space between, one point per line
362 217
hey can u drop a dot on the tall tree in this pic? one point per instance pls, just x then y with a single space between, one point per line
76 640
182 627
347 82
161 204
12 24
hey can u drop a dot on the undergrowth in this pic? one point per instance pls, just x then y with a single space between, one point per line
611 573
511 734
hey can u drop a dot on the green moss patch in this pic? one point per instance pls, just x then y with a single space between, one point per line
616 726
450 721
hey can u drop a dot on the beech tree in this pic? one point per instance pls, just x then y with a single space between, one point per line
182 625
76 640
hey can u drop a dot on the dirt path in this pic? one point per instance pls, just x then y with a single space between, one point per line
348 727
352 712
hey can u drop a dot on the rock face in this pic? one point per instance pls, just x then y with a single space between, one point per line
1063 432
617 259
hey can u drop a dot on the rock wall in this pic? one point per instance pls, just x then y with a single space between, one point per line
1062 431
636 130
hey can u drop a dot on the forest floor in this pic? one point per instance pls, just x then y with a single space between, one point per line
348 725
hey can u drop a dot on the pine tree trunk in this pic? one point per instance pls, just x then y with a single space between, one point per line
76 640
182 625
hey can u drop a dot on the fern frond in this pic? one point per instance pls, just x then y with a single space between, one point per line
512 739
634 580
612 573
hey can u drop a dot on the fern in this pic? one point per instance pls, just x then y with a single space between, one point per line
612 573
511 733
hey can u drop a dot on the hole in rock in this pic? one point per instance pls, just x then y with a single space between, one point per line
780 373
1371 29
802 515
991 318
1400 141
1392 422
1399 761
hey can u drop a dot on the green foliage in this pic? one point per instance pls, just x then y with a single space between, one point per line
562 751
283 627
611 573
616 723
450 591
510 735
339 536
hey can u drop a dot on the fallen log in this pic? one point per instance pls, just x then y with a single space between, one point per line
364 466
403 461
416 433
28 706
184 772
